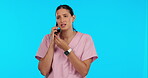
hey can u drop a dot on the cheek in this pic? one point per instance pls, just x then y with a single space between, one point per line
58 21
70 20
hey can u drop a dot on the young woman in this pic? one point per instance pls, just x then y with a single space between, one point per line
67 54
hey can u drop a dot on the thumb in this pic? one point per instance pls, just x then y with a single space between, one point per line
58 35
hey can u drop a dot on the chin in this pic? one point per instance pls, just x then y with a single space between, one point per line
64 29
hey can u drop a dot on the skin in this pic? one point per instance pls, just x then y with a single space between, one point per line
62 40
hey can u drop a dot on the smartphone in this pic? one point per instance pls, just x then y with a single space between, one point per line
58 30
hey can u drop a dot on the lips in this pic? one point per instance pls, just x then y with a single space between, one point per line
63 25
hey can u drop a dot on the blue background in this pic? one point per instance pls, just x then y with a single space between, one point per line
118 28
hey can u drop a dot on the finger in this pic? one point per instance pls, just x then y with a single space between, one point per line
57 37
53 31
58 34
54 28
56 41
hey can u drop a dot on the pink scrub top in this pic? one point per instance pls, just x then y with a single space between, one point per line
83 47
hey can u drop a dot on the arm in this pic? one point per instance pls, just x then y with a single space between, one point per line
81 66
45 63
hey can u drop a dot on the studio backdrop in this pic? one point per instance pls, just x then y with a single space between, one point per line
117 27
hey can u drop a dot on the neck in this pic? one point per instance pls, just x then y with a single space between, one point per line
67 34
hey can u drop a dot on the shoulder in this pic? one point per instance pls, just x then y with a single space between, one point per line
85 36
46 37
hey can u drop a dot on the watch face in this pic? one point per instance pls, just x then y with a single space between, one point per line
66 52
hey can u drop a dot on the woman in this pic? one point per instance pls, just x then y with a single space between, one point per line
67 54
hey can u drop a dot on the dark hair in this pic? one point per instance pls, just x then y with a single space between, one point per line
67 8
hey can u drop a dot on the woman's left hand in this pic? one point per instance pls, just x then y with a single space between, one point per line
61 43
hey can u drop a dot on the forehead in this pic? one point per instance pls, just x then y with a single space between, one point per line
62 11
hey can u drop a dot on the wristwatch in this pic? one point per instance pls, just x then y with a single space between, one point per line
67 52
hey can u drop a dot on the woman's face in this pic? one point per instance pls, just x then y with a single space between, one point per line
64 19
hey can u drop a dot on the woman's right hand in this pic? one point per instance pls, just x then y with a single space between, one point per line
53 30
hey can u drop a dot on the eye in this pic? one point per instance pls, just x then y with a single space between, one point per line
65 16
58 17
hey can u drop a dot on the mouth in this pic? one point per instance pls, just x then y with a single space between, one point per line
63 25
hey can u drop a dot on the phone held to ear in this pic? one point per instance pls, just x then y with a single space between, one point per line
58 30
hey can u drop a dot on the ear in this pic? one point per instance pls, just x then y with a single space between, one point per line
73 18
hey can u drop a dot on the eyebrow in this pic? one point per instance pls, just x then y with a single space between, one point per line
63 14
60 15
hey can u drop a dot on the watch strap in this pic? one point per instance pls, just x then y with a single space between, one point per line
67 52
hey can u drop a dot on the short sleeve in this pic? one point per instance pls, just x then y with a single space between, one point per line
42 50
89 49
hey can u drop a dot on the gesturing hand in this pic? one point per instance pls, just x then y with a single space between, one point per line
61 43
53 30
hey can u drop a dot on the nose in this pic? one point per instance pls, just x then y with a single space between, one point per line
62 20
